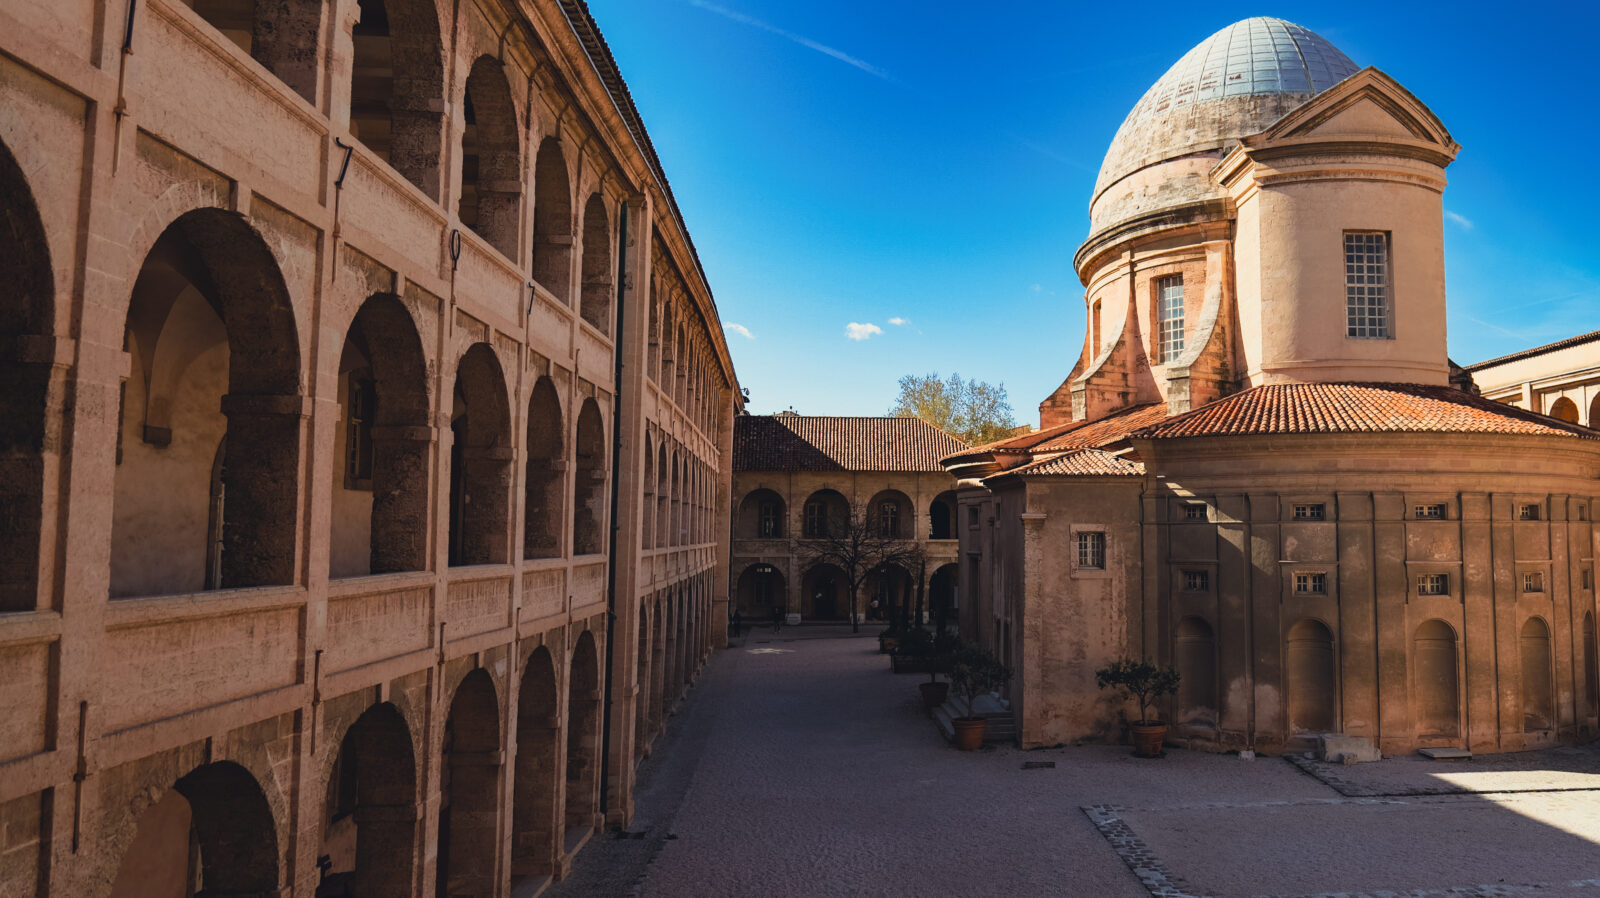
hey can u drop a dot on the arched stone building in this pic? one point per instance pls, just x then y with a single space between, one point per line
1259 470
1561 379
797 475
343 342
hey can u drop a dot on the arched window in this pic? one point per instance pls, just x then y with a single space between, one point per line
214 825
761 593
1565 409
890 515
491 164
545 487
552 221
595 302
397 87
1538 692
1437 679
588 506
826 514
279 34
583 738
536 776
370 819
469 800
942 516
480 461
1312 679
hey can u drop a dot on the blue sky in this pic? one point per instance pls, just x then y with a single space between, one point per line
925 168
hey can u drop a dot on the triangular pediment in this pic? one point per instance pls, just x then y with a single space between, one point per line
1365 106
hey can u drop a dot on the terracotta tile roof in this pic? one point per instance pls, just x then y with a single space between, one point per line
818 443
1537 350
1073 434
1079 463
1358 408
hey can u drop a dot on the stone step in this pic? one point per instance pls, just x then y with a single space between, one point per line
1002 728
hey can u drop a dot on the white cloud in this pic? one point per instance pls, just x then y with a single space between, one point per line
897 321
739 329
857 331
803 41
1459 219
1037 288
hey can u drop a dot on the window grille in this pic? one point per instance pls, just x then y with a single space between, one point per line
1196 581
889 519
1169 312
1528 513
1310 512
1092 550
1366 283
1433 585
1194 511
1533 581
767 525
816 519
1431 512
1311 583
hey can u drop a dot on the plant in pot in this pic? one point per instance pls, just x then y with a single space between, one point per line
975 671
940 651
1145 682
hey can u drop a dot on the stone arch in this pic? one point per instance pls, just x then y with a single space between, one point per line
1437 681
215 351
647 511
887 593
370 818
533 807
595 301
545 484
469 790
583 736
589 465
943 588
892 515
1538 683
942 516
762 591
282 35
552 221
491 157
826 512
1195 651
1565 409
1312 678
397 87
762 515
215 821
658 664
379 522
1591 667
26 316
1594 412
663 497
824 594
480 461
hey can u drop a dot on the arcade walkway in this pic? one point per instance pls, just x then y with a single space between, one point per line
800 766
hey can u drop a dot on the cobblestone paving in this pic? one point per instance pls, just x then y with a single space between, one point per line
814 772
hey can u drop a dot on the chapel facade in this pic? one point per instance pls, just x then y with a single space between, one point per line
1263 469
367 460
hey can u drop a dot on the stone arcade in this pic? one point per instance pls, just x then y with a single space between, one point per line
366 469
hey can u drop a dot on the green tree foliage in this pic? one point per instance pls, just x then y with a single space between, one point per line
971 410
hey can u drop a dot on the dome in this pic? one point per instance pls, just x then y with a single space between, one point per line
1235 82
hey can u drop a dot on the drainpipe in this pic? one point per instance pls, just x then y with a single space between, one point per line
616 495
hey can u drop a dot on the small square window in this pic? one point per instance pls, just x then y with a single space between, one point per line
1092 550
1533 581
1315 511
1527 512
1586 577
1433 511
972 518
1583 513
1196 581
1194 511
1433 585
1311 583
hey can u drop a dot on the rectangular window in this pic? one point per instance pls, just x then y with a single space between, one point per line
1433 585
1533 581
1196 581
1583 513
1169 314
1310 512
972 518
1586 577
1311 583
1527 512
362 397
767 525
889 520
1194 511
816 519
1092 551
1430 512
1366 283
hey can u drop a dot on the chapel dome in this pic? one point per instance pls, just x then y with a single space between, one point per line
1235 82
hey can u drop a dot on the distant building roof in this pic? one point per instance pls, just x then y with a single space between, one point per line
1080 463
1537 350
1071 435
790 442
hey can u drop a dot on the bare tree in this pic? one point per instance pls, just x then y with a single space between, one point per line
859 546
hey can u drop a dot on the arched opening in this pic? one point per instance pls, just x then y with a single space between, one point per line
212 833
675 534
583 738
595 302
647 510
552 221
890 515
1591 667
826 514
214 351
1594 412
1195 650
533 806
1538 688
397 87
942 596
370 820
942 516
279 34
1437 679
887 593
761 516
641 694
491 164
823 594
658 666
469 791
761 593
480 461
663 497
1565 409
545 487
379 522
588 501
25 385
1313 695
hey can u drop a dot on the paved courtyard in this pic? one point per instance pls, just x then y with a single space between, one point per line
800 766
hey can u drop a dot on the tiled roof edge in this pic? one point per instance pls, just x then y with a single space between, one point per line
1537 350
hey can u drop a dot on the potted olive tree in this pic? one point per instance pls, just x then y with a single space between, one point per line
1146 682
973 672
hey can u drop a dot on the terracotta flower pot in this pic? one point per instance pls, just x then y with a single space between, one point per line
934 694
1147 739
969 732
